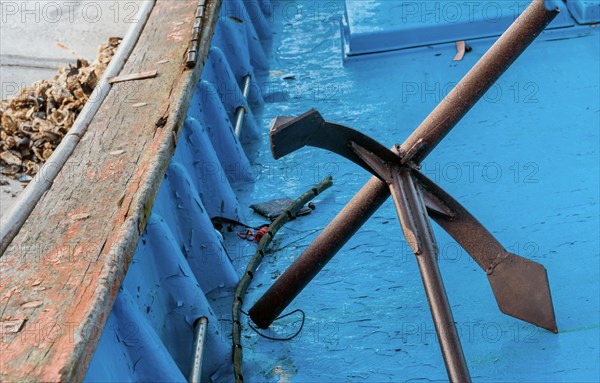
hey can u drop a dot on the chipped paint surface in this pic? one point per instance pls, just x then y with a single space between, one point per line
366 316
79 257
367 319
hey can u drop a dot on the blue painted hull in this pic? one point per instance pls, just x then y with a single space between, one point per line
525 161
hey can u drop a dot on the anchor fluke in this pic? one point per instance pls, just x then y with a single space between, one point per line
289 134
522 291
520 285
297 132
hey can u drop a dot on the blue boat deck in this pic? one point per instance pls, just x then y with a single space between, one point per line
524 161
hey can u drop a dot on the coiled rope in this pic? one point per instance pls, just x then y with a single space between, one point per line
242 287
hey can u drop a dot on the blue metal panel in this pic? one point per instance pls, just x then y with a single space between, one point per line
265 6
208 108
199 158
227 87
252 14
179 205
167 292
230 37
379 26
585 11
244 44
130 350
258 31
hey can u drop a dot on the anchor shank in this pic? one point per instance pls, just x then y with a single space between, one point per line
477 81
417 229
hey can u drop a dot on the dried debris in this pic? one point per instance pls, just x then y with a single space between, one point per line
33 123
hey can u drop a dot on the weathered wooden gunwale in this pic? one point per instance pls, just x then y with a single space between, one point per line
61 274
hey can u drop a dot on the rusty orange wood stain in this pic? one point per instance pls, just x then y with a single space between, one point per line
64 275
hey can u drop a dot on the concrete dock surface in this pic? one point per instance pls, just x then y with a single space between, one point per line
37 37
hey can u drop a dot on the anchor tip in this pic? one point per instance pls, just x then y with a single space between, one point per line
522 291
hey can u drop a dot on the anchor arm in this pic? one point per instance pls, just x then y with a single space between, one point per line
310 129
520 286
477 241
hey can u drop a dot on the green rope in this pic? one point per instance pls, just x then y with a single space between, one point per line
255 261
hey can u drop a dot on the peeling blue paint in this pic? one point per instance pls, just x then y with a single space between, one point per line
525 161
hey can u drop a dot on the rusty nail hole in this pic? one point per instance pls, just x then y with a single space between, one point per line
161 122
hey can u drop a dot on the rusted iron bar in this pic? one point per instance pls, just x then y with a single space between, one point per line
477 81
412 212
435 127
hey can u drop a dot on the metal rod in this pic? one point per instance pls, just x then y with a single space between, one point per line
240 112
246 87
199 336
489 68
414 220
410 206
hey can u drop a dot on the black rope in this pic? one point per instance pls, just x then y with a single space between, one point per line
246 279
279 317
312 231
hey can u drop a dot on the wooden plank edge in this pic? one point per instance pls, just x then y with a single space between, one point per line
124 242
141 206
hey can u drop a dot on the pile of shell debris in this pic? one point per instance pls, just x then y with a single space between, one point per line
33 123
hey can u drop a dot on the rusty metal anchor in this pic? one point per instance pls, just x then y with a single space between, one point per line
520 286
310 129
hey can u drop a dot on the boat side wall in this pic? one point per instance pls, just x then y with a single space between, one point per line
180 257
